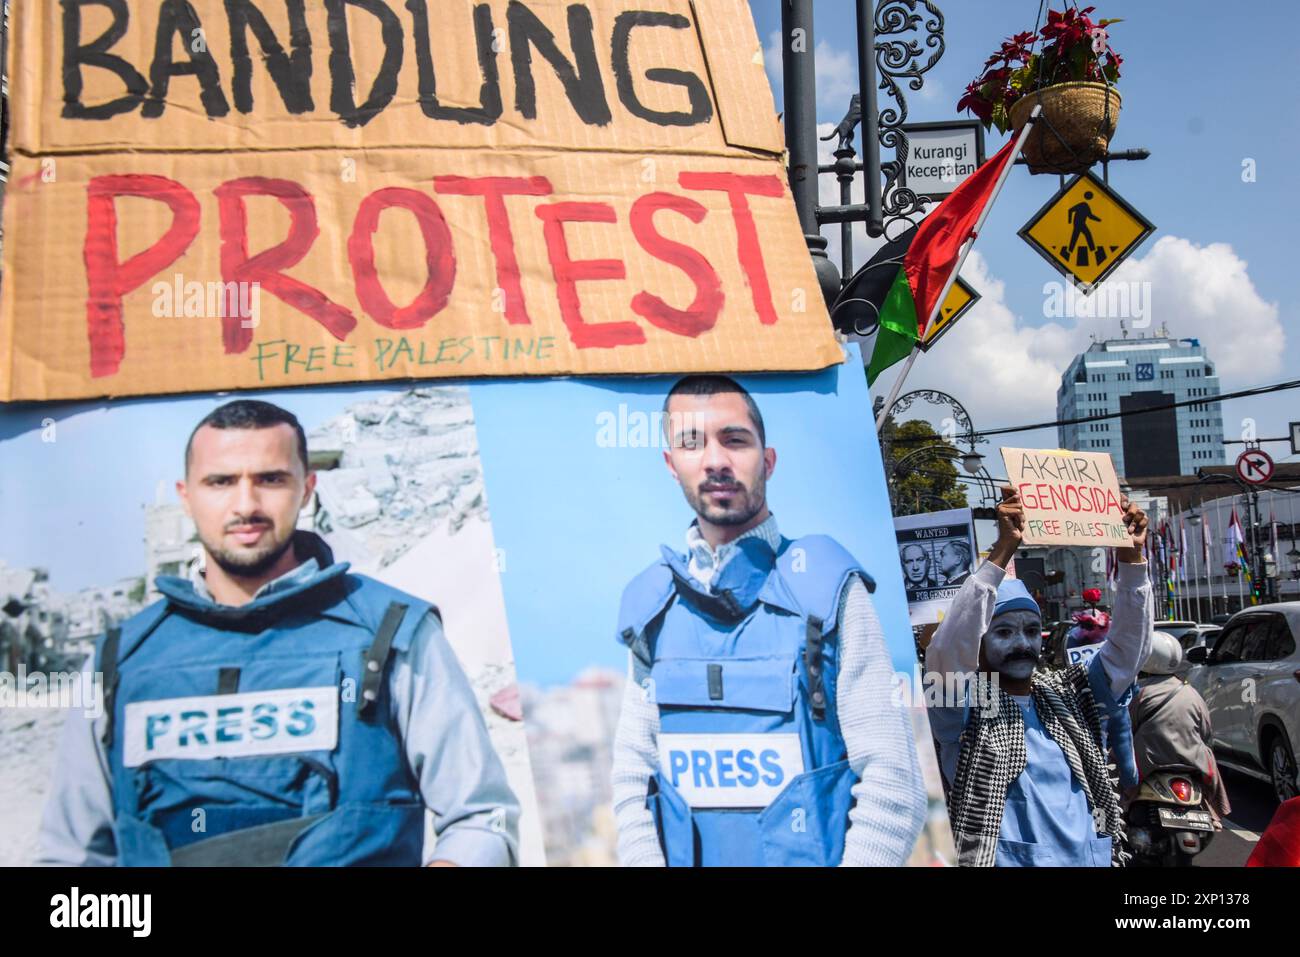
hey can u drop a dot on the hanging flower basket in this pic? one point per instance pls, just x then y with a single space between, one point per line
1069 69
1074 129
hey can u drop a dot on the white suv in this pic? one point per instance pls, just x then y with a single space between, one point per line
1250 679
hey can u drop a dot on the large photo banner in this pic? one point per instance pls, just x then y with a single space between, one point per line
556 526
598 493
425 442
399 496
246 195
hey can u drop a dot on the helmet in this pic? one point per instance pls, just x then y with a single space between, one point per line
1166 654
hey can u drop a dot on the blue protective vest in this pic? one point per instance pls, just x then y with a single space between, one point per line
753 769
263 677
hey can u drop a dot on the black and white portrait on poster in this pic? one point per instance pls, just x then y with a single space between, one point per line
937 553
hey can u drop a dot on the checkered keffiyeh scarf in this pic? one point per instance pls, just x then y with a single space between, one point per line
992 756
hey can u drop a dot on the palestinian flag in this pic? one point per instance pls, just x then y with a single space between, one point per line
898 290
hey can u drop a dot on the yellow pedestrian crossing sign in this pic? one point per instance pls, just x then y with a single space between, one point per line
960 298
1086 230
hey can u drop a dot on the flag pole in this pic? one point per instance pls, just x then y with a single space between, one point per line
1207 553
1205 561
1202 568
897 387
1218 517
1177 551
961 260
1183 591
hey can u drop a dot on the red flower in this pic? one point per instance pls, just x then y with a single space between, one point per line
974 101
1063 46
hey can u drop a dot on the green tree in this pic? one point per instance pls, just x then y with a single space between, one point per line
926 482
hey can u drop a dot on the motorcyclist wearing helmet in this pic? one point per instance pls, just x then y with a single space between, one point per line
1171 724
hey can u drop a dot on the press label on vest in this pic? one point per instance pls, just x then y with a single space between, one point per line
730 770
281 721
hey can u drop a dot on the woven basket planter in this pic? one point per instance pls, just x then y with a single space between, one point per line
1074 130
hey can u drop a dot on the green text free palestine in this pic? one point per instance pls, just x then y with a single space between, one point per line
281 357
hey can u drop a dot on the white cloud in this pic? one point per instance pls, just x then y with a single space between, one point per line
1205 292
932 92
772 63
1007 371
837 75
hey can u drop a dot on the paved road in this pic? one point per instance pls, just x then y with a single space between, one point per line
1253 805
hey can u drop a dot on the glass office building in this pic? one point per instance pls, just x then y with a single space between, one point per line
1134 375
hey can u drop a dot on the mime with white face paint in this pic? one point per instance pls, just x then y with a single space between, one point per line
1022 748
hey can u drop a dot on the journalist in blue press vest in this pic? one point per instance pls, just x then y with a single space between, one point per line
759 727
274 709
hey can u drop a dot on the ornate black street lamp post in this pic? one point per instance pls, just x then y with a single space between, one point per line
896 44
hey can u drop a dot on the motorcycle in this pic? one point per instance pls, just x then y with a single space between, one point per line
1169 821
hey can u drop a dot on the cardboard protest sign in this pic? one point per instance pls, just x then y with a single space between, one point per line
1070 498
215 195
936 552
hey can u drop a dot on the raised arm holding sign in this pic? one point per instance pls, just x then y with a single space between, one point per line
1011 519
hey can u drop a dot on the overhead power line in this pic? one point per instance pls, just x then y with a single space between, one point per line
1204 400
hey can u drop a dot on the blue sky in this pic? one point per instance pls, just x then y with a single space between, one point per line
1203 91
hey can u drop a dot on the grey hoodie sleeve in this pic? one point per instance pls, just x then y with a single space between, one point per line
890 801
636 758
77 824
462 780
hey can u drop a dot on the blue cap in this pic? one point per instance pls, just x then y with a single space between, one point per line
1014 596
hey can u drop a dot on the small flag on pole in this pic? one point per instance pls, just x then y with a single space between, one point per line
1182 550
905 281
1232 539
